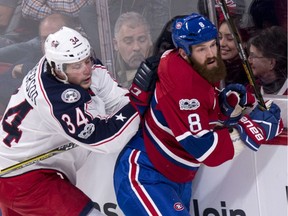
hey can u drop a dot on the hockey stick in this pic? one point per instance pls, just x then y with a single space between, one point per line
242 54
37 158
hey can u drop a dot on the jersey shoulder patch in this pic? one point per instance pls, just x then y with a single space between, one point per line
186 104
70 95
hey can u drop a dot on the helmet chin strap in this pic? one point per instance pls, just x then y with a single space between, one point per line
65 80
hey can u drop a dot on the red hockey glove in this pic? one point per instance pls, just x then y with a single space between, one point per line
143 84
260 126
233 100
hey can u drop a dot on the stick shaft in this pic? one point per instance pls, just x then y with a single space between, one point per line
37 158
242 54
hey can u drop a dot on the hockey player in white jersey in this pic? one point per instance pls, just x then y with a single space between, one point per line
65 98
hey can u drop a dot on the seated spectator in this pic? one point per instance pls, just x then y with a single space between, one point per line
268 59
38 9
156 14
230 55
132 43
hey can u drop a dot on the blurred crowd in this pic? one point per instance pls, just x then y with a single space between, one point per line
135 30
139 29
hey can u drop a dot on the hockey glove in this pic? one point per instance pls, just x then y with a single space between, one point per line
143 84
260 126
233 99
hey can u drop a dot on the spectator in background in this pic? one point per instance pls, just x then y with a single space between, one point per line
39 9
132 43
156 12
230 55
268 59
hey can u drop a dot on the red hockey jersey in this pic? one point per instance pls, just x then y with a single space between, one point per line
177 132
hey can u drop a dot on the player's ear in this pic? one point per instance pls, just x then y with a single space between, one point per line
61 75
183 54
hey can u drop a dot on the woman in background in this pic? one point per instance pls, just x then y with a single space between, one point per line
230 55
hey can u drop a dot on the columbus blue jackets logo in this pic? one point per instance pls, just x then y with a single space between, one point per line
70 95
189 104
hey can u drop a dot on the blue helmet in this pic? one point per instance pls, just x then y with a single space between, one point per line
191 30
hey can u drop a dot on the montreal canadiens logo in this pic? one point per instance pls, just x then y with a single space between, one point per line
178 206
70 95
178 25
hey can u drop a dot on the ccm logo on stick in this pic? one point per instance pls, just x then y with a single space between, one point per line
251 127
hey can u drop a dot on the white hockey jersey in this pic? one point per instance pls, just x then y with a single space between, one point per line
46 113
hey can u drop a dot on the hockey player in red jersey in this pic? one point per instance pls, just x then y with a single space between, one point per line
154 173
65 98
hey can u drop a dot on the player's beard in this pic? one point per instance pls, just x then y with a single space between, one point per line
214 74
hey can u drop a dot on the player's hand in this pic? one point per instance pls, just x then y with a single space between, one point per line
260 126
233 100
143 84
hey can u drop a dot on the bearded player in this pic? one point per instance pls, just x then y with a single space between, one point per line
154 173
